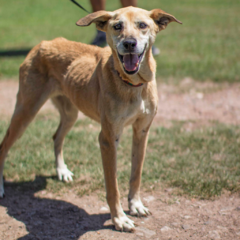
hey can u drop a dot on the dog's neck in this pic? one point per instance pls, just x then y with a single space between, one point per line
127 82
146 72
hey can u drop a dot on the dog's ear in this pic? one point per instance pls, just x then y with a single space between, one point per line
162 19
100 18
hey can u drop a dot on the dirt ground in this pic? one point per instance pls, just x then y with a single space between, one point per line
38 214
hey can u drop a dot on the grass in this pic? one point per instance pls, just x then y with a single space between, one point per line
202 163
204 47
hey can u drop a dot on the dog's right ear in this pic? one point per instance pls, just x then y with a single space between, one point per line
100 18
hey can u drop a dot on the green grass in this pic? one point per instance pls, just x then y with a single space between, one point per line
201 163
205 47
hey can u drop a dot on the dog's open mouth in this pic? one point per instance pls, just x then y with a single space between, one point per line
131 62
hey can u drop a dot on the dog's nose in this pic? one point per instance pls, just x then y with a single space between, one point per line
130 43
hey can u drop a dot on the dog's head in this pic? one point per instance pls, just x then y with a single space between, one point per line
130 32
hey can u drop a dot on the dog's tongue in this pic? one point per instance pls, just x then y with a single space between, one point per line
130 62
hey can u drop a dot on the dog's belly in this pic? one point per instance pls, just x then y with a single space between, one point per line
87 104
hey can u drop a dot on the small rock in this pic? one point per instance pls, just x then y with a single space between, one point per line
147 232
226 211
199 95
238 233
238 208
223 229
165 229
175 224
214 235
104 209
139 234
207 223
185 226
196 206
149 199
187 217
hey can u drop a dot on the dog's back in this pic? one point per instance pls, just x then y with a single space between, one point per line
52 58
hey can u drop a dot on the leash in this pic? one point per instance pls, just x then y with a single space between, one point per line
79 6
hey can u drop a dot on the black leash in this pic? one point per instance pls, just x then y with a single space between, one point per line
79 6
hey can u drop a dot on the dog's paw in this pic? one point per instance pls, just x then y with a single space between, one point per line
123 224
64 174
137 209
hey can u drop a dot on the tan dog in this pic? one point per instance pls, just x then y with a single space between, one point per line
115 86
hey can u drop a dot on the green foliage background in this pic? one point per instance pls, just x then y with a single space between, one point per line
205 47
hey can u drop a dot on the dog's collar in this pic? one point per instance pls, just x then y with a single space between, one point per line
127 82
132 85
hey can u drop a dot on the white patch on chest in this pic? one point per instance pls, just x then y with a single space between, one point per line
143 108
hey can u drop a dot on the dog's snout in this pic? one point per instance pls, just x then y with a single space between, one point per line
130 43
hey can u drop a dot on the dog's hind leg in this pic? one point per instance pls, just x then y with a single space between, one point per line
69 114
30 98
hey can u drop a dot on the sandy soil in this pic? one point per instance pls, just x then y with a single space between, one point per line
38 214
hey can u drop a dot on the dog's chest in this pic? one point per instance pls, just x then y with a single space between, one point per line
144 108
135 110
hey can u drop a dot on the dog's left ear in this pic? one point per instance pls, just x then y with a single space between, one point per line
100 18
162 19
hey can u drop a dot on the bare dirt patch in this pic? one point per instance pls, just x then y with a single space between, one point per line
42 215
190 100
38 214
199 102
8 93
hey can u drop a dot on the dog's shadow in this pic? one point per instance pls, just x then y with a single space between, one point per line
48 218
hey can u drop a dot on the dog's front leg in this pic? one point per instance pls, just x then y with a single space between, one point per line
139 144
108 140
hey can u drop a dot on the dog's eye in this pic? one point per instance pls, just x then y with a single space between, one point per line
118 27
142 25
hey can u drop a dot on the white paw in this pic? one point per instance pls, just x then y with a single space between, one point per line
137 209
64 174
123 223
